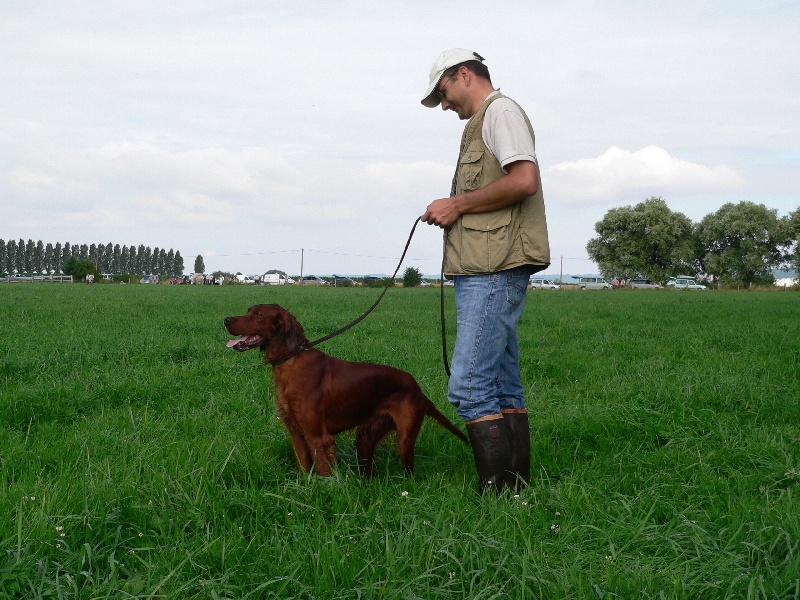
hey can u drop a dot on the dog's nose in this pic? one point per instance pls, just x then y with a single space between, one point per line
227 320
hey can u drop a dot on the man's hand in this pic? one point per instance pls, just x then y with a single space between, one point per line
442 213
521 180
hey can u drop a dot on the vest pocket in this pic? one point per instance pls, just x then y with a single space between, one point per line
485 240
469 170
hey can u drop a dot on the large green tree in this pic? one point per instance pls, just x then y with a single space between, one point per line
741 243
647 240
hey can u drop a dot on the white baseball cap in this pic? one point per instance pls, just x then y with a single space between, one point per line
447 59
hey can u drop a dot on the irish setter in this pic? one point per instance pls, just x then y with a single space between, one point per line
319 396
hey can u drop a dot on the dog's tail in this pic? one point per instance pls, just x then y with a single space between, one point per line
444 421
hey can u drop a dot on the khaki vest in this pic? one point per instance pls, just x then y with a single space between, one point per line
510 237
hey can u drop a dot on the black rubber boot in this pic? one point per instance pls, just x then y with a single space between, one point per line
492 453
519 436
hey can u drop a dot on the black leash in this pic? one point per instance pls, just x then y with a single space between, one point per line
304 347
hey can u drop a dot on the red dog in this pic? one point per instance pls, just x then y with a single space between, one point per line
319 396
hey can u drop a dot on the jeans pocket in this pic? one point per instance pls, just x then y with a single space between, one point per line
515 290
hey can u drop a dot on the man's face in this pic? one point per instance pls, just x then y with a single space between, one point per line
453 95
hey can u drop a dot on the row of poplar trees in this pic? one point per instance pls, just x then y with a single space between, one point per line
29 258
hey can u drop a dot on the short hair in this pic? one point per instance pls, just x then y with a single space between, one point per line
474 66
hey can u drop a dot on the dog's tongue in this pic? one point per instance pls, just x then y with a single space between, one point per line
235 341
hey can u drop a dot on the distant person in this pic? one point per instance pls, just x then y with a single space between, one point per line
495 238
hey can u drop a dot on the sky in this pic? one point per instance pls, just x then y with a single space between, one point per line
290 135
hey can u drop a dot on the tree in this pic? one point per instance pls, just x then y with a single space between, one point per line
49 261
177 264
124 264
647 240
794 227
11 257
741 243
30 249
412 277
38 257
57 260
199 265
79 267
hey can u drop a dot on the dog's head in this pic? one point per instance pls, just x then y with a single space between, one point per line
268 327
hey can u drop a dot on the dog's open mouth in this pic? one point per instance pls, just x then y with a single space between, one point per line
246 342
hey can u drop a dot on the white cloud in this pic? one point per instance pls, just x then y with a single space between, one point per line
623 175
143 183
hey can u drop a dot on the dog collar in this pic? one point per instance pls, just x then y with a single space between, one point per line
292 354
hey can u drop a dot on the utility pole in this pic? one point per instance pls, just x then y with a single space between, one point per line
302 252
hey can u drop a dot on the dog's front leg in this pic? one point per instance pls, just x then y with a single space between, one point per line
324 449
302 452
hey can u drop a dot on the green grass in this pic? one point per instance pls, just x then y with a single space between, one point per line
141 458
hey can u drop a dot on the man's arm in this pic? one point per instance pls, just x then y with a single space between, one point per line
521 180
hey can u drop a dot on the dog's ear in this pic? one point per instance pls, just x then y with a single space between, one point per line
292 331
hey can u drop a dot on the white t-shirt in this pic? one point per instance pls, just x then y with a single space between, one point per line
506 134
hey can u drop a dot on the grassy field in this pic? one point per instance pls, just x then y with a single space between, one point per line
141 458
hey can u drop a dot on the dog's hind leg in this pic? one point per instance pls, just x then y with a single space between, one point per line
368 436
409 422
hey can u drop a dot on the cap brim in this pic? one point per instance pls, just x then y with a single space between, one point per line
431 99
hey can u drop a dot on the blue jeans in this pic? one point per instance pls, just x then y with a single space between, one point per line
485 366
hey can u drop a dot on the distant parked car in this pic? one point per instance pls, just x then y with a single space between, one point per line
680 280
689 285
543 284
312 280
374 279
644 284
276 279
593 283
342 281
149 279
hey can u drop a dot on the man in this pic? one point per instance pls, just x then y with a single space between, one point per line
495 237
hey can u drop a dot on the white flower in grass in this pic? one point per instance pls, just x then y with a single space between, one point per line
404 494
555 528
452 575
